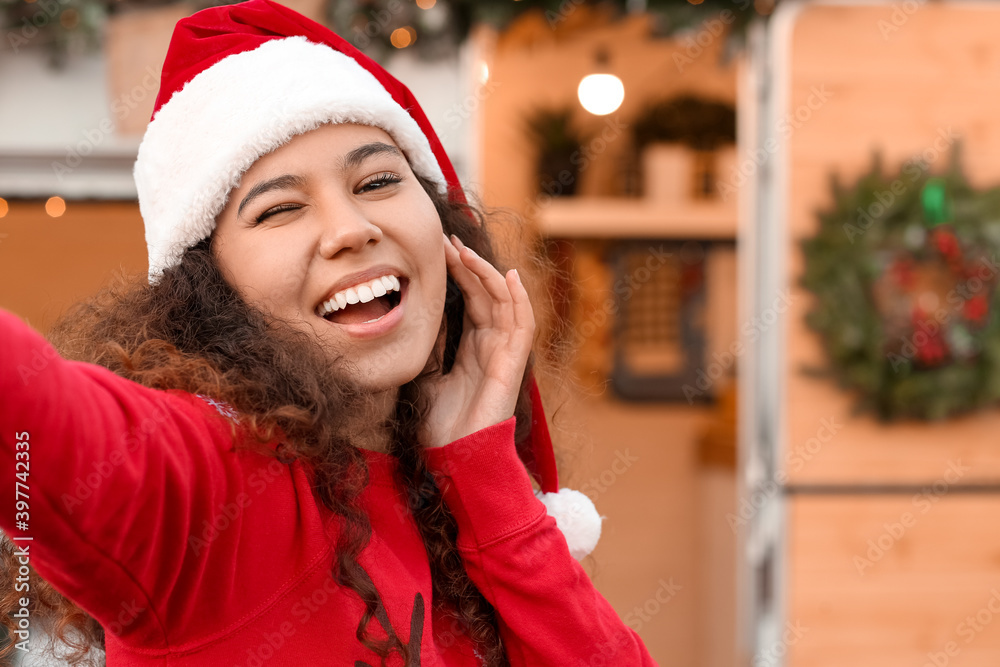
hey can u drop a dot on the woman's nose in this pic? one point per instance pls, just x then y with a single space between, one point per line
347 228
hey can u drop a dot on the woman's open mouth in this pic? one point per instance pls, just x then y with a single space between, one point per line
366 304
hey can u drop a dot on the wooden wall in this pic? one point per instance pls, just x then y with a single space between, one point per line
47 264
896 83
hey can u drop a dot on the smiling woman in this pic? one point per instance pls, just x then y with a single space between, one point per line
309 435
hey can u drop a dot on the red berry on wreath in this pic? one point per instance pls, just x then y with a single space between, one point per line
902 272
931 350
975 309
947 243
928 340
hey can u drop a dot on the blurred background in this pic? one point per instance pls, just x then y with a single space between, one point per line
775 317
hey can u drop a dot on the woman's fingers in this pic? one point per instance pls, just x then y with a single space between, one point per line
483 386
486 272
488 299
524 316
472 288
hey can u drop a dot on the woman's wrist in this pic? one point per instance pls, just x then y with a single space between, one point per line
485 484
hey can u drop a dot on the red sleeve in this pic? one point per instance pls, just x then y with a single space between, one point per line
550 613
118 478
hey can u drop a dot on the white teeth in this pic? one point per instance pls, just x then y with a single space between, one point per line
362 293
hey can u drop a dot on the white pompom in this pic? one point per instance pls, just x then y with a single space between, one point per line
576 517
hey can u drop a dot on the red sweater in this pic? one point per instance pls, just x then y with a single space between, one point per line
192 552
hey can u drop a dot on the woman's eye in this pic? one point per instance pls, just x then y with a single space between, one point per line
378 182
274 211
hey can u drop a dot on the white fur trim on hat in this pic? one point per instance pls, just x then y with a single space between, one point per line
210 132
576 517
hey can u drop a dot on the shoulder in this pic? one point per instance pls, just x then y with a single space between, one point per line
223 420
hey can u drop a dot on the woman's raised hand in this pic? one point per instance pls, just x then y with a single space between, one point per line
482 387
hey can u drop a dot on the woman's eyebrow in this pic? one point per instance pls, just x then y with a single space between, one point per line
276 183
362 153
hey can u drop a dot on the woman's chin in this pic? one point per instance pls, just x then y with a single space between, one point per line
377 380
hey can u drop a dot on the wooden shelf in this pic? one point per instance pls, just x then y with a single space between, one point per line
616 217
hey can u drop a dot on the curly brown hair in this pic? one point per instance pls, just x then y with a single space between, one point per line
193 332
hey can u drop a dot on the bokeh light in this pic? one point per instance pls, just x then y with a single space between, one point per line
403 37
55 206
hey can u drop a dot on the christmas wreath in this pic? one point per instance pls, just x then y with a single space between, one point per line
904 270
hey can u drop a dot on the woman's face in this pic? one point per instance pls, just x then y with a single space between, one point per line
333 234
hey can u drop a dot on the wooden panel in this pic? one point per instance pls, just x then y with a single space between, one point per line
886 580
47 263
665 520
890 580
898 91
619 217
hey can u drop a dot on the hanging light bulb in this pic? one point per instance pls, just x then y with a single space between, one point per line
601 93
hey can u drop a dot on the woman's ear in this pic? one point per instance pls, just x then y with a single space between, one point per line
212 243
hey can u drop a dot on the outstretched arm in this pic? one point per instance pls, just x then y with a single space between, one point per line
103 482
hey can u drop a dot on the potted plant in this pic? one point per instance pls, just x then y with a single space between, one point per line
559 147
685 144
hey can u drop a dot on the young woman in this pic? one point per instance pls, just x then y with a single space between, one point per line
305 440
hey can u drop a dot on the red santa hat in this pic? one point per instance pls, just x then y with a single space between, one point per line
241 80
